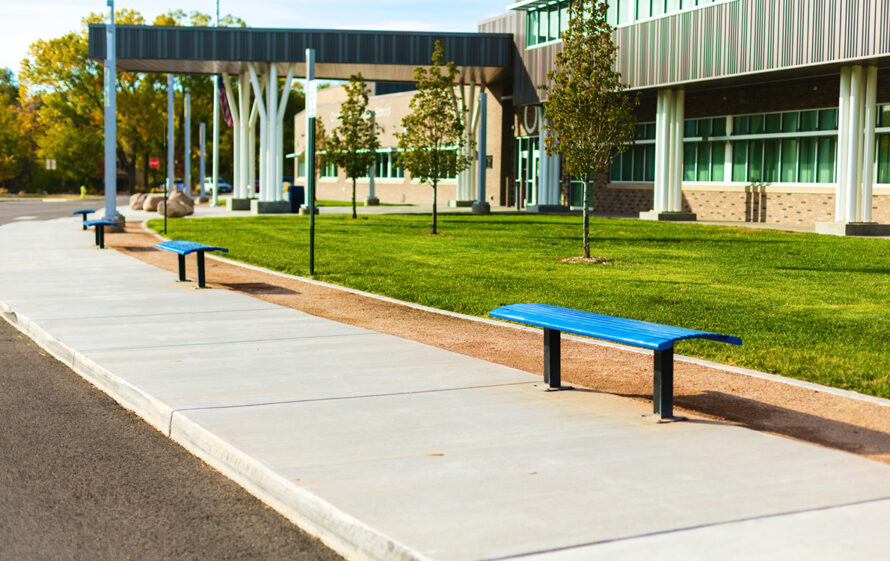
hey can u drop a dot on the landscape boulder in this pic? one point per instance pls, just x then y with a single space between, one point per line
152 201
137 201
175 209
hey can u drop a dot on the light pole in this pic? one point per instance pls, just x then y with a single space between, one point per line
110 117
216 129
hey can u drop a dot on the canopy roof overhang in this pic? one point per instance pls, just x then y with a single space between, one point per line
381 56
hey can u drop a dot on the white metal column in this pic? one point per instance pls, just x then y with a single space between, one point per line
243 129
868 150
233 109
662 149
843 137
854 145
675 203
279 134
261 110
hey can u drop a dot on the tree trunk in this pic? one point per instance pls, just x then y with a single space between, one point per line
586 213
354 216
435 185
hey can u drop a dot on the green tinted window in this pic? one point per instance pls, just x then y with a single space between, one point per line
809 120
755 124
553 33
883 159
789 160
740 125
774 123
826 160
703 161
650 163
689 128
704 127
627 166
639 155
718 163
807 160
532 30
884 116
718 126
828 120
689 153
755 161
740 161
615 174
770 161
790 122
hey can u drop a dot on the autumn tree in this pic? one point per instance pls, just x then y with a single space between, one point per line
353 143
431 148
591 118
12 141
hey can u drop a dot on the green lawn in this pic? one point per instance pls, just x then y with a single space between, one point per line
807 306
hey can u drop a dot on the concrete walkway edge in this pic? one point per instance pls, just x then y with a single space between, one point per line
343 533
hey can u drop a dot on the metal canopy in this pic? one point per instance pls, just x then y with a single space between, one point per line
382 56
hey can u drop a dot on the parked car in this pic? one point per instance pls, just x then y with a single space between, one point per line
224 186
286 182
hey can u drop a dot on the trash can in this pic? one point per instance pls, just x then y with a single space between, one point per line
296 195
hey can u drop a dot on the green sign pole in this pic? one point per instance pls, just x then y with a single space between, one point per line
311 110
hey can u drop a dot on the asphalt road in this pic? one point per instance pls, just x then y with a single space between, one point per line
83 479
37 209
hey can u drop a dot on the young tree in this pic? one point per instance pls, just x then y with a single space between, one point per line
353 144
591 118
430 148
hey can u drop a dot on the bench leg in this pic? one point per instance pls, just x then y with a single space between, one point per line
551 358
181 268
663 384
100 235
83 222
200 269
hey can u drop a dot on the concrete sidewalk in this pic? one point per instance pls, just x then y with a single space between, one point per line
390 449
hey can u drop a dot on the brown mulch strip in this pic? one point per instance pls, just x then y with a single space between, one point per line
809 415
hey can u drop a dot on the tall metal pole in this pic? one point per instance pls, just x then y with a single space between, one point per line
216 129
171 170
110 117
311 109
187 146
202 140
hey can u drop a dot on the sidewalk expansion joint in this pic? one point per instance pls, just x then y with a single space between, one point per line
343 398
690 528
236 342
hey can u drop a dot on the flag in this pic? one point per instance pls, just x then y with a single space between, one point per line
224 103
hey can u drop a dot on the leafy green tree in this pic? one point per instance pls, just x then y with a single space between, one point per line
591 117
429 147
353 144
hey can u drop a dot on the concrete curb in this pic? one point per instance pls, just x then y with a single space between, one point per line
338 530
586 340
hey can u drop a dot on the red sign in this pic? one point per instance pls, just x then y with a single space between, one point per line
154 163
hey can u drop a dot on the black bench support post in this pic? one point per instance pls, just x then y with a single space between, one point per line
551 358
181 268
200 269
83 222
100 235
663 384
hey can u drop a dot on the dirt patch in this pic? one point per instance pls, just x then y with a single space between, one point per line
847 424
586 260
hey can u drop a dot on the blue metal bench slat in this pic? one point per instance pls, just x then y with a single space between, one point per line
620 330
100 222
83 211
185 247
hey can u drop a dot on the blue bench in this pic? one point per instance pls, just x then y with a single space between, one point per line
183 248
655 336
83 212
99 226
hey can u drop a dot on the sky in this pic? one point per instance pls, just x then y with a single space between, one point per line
24 22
